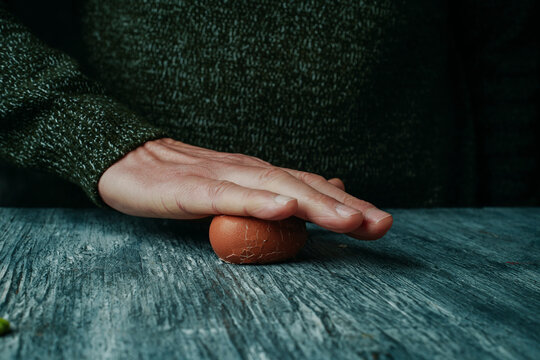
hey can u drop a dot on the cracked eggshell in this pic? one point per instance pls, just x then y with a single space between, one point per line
249 240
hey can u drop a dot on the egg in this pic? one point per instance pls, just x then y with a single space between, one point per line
249 240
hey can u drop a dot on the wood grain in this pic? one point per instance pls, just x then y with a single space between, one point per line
443 283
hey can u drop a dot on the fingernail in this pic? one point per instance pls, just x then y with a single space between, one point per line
282 199
346 211
376 215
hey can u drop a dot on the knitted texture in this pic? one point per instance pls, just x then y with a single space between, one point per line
410 104
319 86
54 119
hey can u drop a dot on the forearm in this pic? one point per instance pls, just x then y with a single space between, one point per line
52 117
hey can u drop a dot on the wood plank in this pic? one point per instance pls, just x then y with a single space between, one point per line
450 283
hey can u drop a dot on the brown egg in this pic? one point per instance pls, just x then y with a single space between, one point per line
248 240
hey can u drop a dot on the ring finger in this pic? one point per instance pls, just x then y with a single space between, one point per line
313 205
376 222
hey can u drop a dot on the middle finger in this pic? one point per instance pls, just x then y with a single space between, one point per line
372 227
313 205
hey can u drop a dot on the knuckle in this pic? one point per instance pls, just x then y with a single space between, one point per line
244 159
272 174
310 178
348 199
258 161
317 197
357 203
217 189
366 205
232 157
246 202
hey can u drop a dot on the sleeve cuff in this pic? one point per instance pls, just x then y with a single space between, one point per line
80 137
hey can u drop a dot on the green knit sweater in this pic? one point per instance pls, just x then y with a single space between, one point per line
418 103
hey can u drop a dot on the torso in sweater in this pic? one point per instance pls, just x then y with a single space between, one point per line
352 89
360 90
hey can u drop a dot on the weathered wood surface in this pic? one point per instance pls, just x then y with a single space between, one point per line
444 283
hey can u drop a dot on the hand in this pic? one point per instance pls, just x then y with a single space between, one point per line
170 179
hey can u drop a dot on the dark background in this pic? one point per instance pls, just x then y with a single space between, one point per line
503 182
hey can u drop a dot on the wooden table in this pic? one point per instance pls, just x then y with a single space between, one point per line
443 283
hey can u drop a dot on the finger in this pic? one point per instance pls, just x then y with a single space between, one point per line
195 197
337 183
368 231
376 222
313 205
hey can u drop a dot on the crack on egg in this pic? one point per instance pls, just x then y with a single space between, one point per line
260 246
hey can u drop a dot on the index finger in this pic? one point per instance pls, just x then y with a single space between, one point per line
376 222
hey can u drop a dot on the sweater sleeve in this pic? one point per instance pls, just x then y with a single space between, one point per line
53 118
